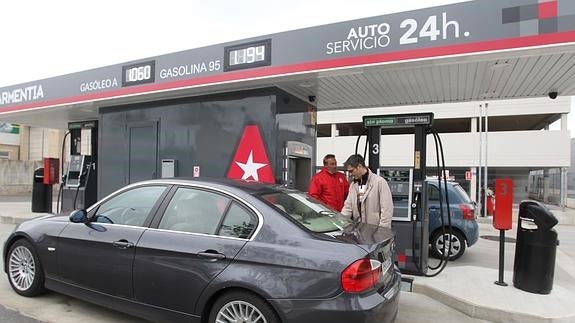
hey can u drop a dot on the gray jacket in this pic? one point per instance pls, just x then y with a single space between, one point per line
376 202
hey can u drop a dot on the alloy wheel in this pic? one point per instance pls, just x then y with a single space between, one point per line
21 268
240 312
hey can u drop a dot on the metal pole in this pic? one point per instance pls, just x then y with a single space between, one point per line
473 166
500 282
480 166
563 188
486 163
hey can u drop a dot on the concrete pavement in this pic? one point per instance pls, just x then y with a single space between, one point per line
17 209
466 285
472 291
8 315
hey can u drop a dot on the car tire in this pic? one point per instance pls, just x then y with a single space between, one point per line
25 272
244 307
457 240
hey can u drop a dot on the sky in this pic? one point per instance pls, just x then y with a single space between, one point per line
49 38
42 39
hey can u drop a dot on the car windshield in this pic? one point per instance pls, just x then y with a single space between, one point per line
308 211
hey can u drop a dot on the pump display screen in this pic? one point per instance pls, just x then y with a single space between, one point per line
75 170
247 55
75 163
400 182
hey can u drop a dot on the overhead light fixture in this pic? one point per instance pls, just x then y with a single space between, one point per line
306 84
490 94
500 65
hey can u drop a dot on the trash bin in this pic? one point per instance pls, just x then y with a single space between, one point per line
41 193
535 248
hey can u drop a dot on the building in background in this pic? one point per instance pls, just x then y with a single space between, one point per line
19 142
22 149
518 140
554 184
9 141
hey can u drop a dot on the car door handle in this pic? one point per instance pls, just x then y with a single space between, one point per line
122 244
212 255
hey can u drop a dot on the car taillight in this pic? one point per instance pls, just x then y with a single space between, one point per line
467 211
360 275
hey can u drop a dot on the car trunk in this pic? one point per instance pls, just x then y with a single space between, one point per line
377 242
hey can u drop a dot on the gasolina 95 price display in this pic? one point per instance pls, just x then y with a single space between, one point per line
247 55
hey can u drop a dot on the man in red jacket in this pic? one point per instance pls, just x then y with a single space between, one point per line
329 185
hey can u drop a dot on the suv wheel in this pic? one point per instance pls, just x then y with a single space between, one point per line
454 244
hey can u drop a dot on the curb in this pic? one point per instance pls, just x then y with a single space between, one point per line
485 312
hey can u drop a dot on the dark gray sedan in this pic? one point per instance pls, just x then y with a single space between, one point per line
210 251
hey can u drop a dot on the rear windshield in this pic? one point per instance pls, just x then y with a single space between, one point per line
306 210
462 194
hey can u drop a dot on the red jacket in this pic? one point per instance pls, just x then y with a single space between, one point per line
331 189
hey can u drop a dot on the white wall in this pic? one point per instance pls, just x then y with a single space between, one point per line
16 176
505 149
44 143
454 110
9 139
37 143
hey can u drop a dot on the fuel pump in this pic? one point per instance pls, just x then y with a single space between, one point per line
409 189
78 189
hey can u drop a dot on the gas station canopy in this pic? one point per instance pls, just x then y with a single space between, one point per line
471 51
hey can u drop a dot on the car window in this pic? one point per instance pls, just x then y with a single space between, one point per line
433 193
194 210
131 207
238 223
462 194
308 211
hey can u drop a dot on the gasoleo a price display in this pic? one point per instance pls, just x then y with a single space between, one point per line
139 73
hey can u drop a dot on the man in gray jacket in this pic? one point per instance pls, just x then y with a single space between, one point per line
369 199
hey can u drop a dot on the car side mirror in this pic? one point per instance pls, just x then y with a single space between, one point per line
79 216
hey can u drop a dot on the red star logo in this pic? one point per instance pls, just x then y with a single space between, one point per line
251 159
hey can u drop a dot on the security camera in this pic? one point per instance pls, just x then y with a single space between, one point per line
553 95
311 98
